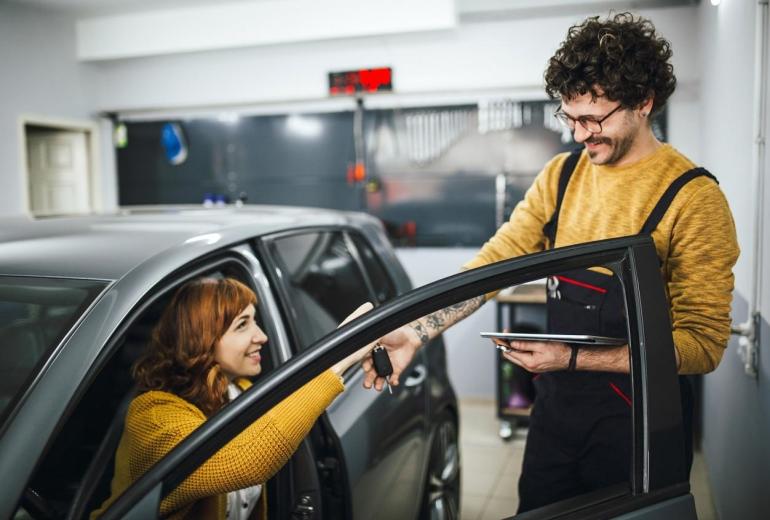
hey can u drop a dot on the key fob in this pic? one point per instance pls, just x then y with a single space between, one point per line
381 362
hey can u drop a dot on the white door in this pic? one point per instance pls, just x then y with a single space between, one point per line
58 172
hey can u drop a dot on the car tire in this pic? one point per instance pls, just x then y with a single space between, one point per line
442 484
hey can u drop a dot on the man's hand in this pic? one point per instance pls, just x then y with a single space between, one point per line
401 345
539 356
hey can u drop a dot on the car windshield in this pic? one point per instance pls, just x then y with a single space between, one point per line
35 314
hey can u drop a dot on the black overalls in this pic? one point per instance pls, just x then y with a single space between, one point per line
580 429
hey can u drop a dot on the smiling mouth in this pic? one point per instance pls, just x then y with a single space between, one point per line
253 353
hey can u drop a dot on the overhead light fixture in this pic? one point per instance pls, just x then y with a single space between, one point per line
303 126
229 118
715 2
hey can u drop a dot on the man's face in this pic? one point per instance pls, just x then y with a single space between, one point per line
618 133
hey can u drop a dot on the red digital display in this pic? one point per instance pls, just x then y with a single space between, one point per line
363 80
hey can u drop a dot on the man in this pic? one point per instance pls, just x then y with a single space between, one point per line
611 76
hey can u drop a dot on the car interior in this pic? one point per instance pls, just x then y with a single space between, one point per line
34 316
85 446
74 476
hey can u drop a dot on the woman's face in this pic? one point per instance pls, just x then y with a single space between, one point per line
238 351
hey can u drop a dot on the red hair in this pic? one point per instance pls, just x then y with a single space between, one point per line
180 356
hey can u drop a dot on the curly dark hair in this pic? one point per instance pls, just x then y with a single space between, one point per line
621 58
180 356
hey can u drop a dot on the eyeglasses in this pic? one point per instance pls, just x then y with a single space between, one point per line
588 122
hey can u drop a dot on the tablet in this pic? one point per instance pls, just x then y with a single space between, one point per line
585 339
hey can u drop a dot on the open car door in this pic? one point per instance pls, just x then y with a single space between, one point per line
657 486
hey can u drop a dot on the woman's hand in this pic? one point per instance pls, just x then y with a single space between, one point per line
341 366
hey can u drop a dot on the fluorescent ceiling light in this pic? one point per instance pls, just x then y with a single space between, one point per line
229 118
303 126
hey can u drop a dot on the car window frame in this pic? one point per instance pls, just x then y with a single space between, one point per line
657 465
274 269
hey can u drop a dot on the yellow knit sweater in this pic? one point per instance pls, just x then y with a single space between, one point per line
696 238
157 421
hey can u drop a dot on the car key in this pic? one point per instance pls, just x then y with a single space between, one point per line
382 364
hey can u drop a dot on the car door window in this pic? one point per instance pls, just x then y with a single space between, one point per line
587 414
381 282
322 279
35 314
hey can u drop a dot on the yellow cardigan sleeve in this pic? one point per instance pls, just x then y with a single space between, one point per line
161 421
703 251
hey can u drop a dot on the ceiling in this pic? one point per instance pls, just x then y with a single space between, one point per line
97 7
464 7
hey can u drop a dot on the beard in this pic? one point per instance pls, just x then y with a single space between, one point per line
619 147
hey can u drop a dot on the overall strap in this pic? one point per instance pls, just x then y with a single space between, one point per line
549 229
665 200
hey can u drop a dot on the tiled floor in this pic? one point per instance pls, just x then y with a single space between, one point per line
491 467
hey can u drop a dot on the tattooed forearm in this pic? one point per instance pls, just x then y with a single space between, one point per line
434 324
420 330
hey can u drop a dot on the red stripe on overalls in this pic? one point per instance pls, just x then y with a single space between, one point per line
621 394
581 284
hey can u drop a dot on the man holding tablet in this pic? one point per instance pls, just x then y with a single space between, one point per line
610 76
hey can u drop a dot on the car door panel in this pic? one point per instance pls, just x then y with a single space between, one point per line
658 486
305 497
408 440
383 444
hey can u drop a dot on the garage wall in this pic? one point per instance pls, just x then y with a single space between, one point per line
40 77
37 54
477 55
736 408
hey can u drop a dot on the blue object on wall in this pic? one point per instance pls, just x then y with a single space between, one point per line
174 143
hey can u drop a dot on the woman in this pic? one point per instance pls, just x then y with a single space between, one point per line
203 349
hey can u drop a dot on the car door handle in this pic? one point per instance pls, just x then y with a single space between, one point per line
417 376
